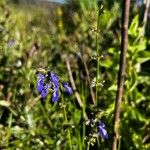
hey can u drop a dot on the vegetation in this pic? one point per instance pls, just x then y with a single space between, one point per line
80 41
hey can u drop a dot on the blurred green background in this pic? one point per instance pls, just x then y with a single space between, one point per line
41 34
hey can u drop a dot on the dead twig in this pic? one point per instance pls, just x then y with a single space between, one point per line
89 79
74 86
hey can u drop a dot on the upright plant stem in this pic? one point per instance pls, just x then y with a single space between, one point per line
121 73
83 110
66 119
97 53
88 146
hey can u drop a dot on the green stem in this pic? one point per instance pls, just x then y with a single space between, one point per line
66 119
45 114
98 143
119 143
83 112
97 53
9 129
88 147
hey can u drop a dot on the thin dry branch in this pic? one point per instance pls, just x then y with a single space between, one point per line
89 79
121 73
74 87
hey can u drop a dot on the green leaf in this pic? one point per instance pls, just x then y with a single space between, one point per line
133 29
106 63
112 88
143 56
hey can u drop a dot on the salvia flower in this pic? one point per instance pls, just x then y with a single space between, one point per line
68 88
40 82
46 84
55 95
102 130
54 78
41 87
44 91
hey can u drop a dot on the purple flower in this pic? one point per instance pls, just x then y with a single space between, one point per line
68 88
44 91
41 87
55 95
40 83
102 130
54 78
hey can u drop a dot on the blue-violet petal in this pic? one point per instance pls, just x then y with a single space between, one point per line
68 88
44 91
54 78
102 131
55 95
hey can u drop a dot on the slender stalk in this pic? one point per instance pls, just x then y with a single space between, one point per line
79 141
88 78
9 129
73 83
66 119
83 112
97 53
119 144
45 114
74 86
88 146
121 73
97 56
